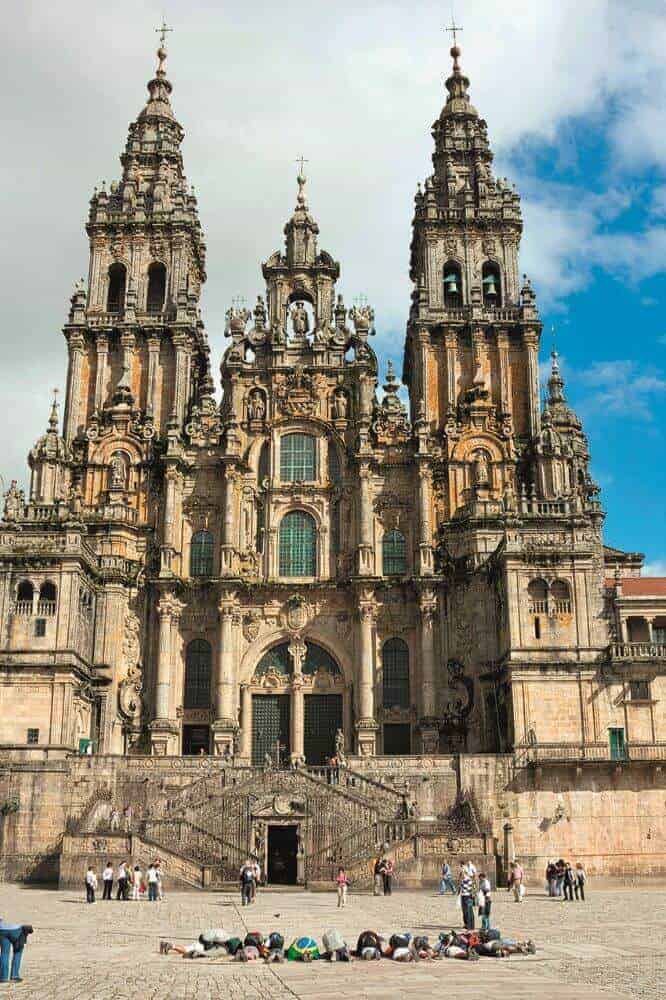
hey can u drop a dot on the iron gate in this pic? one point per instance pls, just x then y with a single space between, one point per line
270 724
323 717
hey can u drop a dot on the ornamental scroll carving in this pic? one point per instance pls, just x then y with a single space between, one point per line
130 690
298 393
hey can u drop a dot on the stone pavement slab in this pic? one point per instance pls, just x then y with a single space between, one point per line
109 951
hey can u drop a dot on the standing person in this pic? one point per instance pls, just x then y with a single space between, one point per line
516 881
551 878
107 879
246 882
256 871
446 881
379 876
128 812
160 881
560 869
342 882
581 879
569 882
13 937
151 875
466 889
121 891
387 876
91 885
115 820
136 883
485 901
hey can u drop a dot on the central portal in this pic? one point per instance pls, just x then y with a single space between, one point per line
282 853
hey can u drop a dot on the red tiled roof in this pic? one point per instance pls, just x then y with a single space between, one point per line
643 586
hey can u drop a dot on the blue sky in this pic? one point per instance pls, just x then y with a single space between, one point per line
574 95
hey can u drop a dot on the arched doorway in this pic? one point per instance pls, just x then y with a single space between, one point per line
296 711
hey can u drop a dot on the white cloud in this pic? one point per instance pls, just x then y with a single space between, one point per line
622 388
656 567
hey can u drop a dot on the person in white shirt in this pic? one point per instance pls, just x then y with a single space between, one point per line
160 888
136 883
256 868
91 885
107 878
152 883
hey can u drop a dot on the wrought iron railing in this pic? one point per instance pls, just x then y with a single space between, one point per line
580 753
200 845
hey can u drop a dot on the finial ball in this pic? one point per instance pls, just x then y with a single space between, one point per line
455 52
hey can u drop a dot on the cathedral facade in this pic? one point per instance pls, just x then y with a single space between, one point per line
312 567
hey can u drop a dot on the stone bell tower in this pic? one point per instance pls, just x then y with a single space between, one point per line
471 355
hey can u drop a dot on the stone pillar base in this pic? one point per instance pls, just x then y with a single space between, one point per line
224 734
366 737
429 731
164 737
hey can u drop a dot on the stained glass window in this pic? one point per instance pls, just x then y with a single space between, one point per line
197 674
201 554
395 671
298 541
394 553
297 458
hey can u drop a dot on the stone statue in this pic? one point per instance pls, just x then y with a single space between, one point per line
117 472
268 761
14 500
340 405
299 320
256 405
480 470
340 747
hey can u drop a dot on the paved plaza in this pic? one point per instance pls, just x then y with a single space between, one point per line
611 946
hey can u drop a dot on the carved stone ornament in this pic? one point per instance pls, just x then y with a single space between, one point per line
205 424
252 625
488 246
131 648
298 393
297 613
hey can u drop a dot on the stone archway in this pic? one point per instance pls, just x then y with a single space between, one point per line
294 704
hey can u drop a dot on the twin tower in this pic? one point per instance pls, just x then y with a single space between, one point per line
307 558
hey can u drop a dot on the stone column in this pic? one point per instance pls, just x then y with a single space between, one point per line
365 549
246 722
508 849
366 727
297 651
504 377
75 345
179 393
428 723
451 343
531 341
425 567
153 365
168 547
225 725
163 731
228 539
102 346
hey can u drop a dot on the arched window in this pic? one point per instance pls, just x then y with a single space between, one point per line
156 288
115 301
298 544
297 458
394 553
197 674
452 284
395 674
201 554
25 593
561 598
492 284
538 594
48 596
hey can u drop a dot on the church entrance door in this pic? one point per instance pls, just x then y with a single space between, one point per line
196 740
282 855
323 717
270 727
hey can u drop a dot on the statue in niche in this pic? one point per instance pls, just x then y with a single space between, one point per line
480 469
14 500
117 473
256 405
300 321
340 747
340 405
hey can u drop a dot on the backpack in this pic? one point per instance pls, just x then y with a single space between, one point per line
253 939
421 942
399 941
333 941
491 934
233 945
247 875
275 941
367 939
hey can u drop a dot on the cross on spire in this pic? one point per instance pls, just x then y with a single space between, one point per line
163 30
453 29
301 161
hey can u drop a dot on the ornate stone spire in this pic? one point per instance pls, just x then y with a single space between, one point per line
561 413
457 84
301 231
159 88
